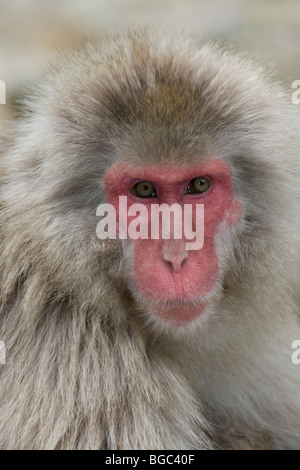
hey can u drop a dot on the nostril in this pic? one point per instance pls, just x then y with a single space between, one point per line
176 261
185 258
170 265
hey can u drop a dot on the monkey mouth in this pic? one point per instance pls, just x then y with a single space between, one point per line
178 312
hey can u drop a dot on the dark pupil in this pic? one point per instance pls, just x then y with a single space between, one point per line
145 187
201 182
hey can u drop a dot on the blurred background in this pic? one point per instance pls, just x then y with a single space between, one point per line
32 31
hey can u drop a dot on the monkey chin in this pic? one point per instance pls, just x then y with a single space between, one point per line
180 314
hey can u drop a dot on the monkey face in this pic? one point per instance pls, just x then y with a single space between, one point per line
174 277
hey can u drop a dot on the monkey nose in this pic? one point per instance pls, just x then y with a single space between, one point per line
175 254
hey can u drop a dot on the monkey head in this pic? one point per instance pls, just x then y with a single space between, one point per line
169 122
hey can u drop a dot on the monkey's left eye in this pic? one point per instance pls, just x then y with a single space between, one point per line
143 189
198 185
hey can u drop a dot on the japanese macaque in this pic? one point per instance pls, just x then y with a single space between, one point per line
141 343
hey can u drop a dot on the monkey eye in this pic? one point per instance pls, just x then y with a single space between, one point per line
143 189
197 185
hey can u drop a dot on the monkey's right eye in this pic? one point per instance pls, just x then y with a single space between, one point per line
143 189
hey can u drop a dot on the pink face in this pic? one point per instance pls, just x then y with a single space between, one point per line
175 281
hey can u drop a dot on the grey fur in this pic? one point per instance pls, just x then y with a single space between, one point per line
87 367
